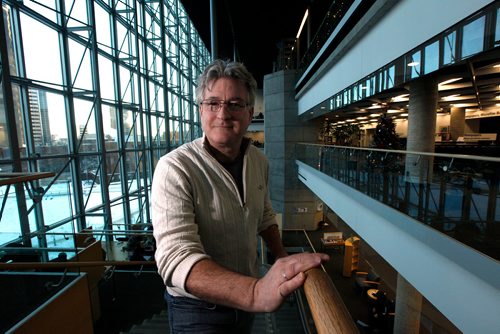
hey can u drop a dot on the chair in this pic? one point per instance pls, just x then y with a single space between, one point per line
366 280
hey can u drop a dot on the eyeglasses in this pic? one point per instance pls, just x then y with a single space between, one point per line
232 106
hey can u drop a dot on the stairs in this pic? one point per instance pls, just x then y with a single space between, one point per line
286 320
157 324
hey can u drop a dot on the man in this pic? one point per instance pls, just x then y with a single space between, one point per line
209 201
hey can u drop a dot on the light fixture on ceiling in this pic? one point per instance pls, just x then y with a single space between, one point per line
413 63
450 97
306 14
375 115
462 105
393 111
400 98
449 81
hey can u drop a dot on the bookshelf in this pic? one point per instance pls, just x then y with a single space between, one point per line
351 256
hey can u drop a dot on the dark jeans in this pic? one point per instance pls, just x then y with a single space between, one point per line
187 315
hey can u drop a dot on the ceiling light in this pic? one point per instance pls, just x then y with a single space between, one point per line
450 97
375 115
463 105
393 111
400 98
350 120
306 14
413 64
361 117
449 81
404 114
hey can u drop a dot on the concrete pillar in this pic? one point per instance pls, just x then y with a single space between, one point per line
408 308
283 129
418 168
421 128
457 122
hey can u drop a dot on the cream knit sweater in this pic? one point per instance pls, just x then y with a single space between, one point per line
198 213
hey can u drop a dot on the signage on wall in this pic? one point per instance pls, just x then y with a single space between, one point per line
482 113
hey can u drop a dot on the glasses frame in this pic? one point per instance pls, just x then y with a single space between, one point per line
233 106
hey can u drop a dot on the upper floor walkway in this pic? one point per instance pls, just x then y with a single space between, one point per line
433 217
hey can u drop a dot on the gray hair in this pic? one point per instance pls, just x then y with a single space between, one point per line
226 69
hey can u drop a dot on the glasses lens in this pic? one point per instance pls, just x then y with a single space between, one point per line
235 106
232 106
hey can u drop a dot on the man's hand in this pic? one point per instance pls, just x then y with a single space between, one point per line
285 276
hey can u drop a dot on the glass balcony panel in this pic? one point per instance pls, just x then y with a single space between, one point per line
455 195
473 37
449 48
431 58
497 28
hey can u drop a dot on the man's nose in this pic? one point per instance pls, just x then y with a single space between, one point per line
224 111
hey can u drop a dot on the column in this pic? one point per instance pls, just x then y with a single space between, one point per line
283 129
408 308
457 122
421 128
418 170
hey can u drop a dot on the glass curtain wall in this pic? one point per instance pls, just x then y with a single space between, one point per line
95 92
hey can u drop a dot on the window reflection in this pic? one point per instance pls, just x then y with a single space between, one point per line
449 48
431 57
473 37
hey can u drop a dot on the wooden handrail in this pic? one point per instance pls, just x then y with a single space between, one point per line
327 307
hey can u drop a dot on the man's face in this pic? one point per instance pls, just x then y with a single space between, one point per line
224 128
